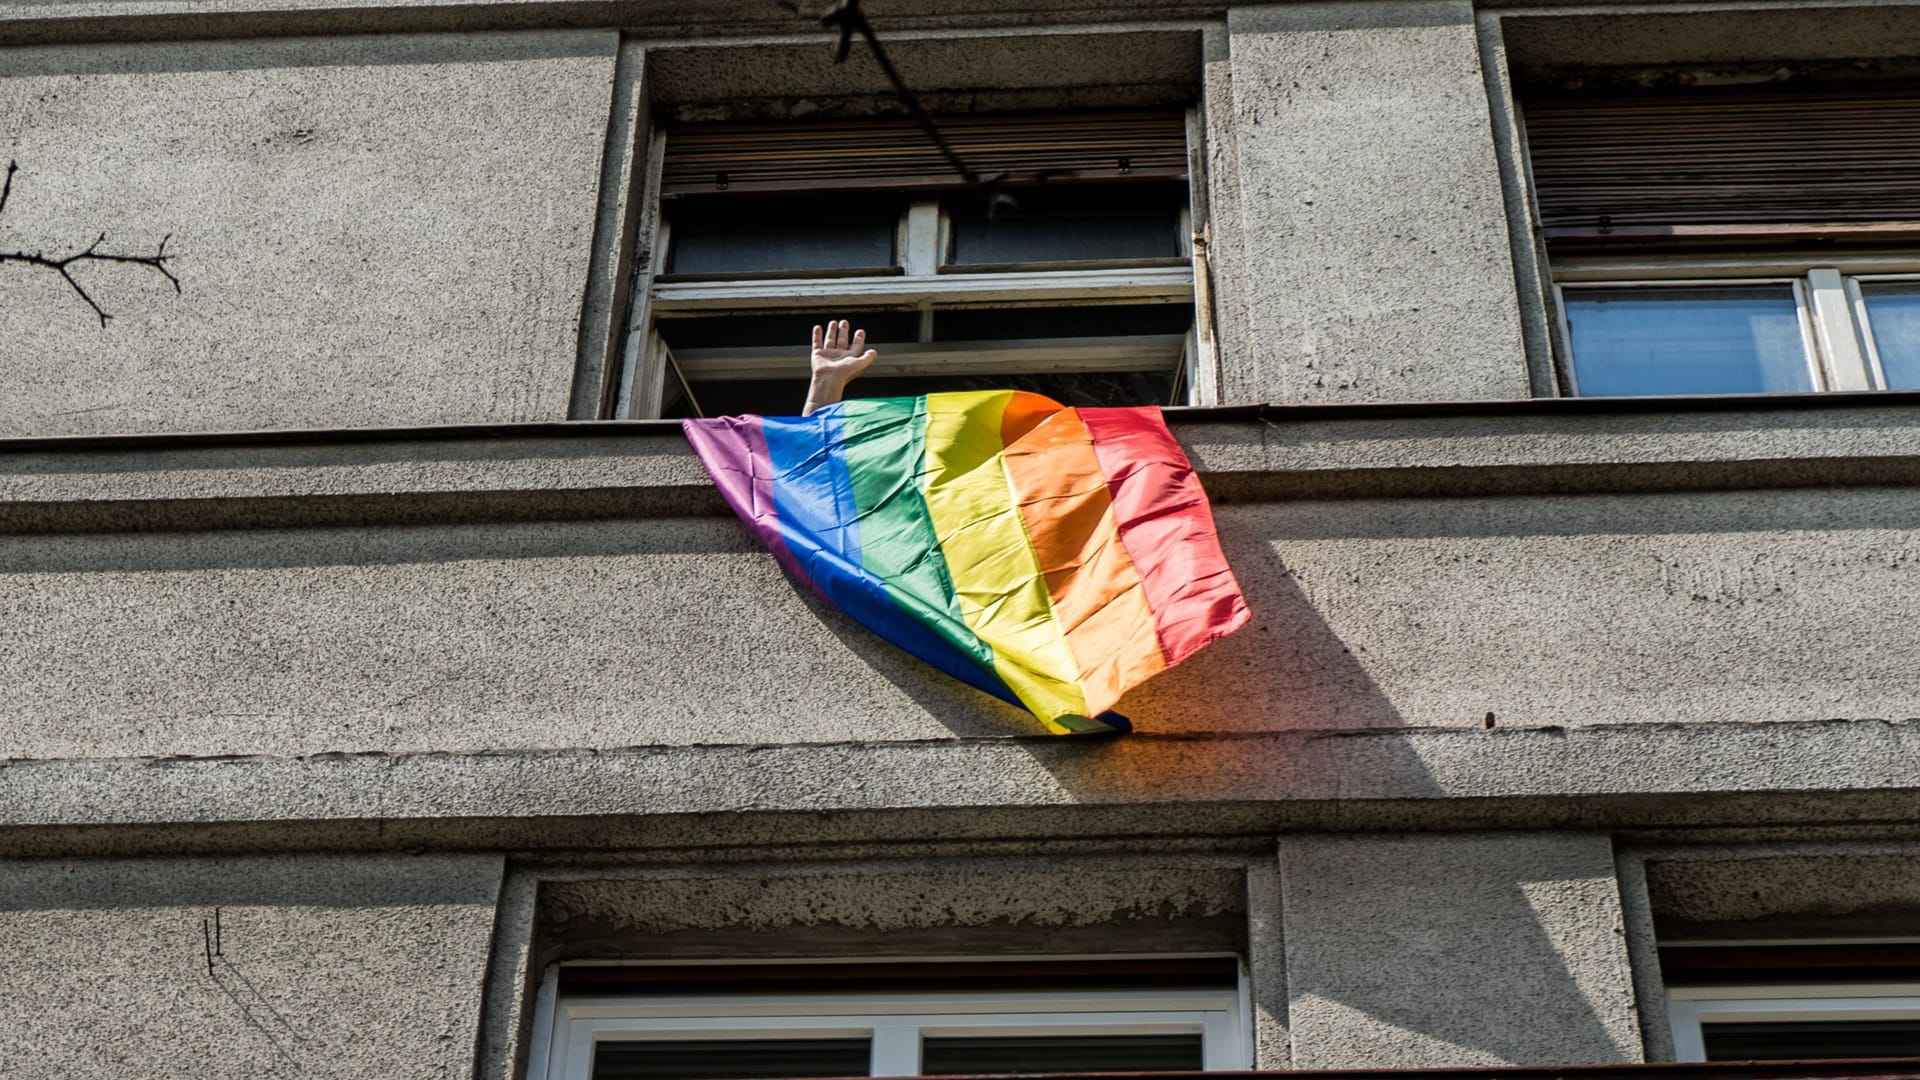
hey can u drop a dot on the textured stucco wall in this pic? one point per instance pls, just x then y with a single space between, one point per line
1796 893
330 966
369 230
1373 232
1463 950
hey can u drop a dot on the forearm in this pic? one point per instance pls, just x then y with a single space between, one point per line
823 391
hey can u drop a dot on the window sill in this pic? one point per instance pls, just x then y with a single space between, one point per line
551 471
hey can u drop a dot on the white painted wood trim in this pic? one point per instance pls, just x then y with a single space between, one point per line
1690 1008
1839 339
920 247
1170 285
897 1022
638 393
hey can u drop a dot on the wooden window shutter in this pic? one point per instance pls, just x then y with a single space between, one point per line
887 153
1727 166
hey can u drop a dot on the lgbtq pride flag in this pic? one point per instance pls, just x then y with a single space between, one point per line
1053 557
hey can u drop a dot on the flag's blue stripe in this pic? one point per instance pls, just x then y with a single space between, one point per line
817 516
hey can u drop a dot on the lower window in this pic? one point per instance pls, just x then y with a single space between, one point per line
962 1028
1788 1023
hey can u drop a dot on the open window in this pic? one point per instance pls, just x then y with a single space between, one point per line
733 1022
1069 272
1731 241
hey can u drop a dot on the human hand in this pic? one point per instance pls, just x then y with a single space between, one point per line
840 354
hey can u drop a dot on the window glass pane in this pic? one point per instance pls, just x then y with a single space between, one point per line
1810 1040
731 1059
1893 309
1718 340
1068 224
756 235
950 1056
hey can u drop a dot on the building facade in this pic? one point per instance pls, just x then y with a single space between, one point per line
387 692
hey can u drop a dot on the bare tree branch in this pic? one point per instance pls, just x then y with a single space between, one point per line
60 264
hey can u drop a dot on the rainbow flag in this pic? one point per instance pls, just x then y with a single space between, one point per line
1053 557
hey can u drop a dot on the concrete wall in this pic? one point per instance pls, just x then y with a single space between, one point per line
369 231
1371 614
347 966
1373 234
1466 950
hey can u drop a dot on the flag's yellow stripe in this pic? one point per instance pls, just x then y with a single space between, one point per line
1001 588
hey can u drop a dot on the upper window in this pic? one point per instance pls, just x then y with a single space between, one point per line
1069 272
1730 243
925 1020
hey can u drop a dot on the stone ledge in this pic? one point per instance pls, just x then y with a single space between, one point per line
1801 772
36 22
615 469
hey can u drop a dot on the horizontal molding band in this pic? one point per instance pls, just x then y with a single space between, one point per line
563 472
1818 772
37 22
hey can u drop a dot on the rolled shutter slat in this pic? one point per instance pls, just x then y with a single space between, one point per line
894 154
1783 165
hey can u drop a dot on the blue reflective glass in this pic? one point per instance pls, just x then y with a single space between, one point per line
1716 340
1893 311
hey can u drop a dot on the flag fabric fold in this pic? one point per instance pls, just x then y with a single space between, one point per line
1053 557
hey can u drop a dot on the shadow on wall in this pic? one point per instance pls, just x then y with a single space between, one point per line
1456 949
1285 673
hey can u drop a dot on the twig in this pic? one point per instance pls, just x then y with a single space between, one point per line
59 265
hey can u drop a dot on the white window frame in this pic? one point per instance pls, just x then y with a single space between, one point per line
567 1030
1834 325
1689 1008
927 280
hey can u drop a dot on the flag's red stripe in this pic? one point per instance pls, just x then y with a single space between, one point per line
1167 529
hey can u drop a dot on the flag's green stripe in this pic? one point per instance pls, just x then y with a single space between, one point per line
885 448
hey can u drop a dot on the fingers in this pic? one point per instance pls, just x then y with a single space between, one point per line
838 335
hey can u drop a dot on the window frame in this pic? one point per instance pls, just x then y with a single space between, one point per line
567 1029
922 279
1835 328
1690 1008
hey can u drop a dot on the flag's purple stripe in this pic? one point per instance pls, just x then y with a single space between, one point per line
735 453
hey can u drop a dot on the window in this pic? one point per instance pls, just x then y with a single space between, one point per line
1723 243
1793 1002
1072 273
723 1023
1795 1023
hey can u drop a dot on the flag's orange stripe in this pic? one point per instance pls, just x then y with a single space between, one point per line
1098 597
